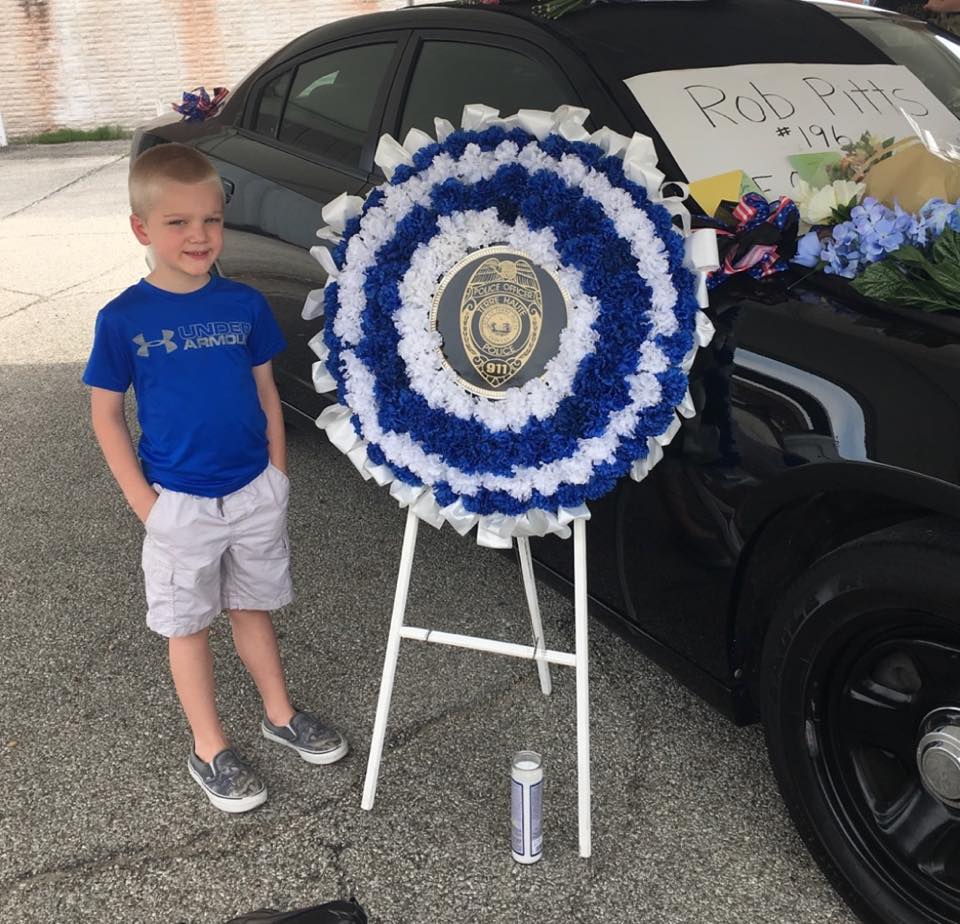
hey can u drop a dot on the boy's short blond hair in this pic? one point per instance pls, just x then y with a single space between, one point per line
165 163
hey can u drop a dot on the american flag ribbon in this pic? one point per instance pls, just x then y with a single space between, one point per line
754 236
199 104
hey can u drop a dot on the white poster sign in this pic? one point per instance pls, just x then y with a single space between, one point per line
754 116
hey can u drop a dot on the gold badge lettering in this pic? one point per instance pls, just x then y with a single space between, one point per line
501 314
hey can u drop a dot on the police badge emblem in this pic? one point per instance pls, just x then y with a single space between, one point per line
500 316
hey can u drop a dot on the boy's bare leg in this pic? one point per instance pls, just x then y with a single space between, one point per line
191 664
256 643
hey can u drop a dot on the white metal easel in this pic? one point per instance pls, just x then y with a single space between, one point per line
538 652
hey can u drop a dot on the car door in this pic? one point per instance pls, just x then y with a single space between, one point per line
308 133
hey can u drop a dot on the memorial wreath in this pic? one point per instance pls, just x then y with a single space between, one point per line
510 319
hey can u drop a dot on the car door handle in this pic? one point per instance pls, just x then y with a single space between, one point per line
228 189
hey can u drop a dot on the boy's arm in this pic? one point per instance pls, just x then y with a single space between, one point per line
270 402
113 435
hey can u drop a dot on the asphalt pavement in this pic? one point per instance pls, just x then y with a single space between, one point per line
99 820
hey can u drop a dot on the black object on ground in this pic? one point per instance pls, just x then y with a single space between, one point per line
328 913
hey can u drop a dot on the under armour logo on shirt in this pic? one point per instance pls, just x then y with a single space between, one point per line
144 344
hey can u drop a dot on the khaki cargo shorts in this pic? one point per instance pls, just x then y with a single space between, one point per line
202 555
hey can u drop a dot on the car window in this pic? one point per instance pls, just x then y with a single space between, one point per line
450 74
331 102
933 57
270 105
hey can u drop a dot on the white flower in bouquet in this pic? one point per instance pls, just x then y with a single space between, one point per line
819 205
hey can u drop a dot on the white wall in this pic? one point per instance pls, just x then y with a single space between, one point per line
85 63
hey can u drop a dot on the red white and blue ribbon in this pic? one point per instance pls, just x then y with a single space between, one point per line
754 236
200 105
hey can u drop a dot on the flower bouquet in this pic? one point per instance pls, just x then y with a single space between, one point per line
904 258
860 156
886 216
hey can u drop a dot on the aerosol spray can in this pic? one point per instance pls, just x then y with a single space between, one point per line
526 816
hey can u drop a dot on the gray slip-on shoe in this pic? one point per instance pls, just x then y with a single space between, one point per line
228 781
315 742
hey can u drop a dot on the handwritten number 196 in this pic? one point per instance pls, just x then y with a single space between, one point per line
817 131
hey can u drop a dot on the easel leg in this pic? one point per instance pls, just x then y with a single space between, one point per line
533 604
390 660
583 684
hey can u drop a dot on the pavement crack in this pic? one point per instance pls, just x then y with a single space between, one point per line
72 182
400 738
121 859
60 292
197 847
344 888
10 314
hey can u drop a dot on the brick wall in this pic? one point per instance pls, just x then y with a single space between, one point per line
84 63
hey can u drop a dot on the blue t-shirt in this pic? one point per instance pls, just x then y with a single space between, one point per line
189 358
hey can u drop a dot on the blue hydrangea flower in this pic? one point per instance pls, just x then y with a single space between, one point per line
842 251
875 230
880 228
808 249
933 218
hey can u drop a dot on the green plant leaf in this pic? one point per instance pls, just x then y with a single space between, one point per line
944 275
910 255
947 279
841 213
882 281
946 248
885 282
943 266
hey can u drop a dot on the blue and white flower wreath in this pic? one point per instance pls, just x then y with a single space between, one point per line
589 209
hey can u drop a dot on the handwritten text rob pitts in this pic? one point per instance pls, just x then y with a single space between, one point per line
721 106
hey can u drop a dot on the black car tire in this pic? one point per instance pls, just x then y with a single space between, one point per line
860 675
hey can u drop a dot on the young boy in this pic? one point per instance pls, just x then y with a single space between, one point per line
210 484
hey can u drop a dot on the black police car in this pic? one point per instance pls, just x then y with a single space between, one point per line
795 558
